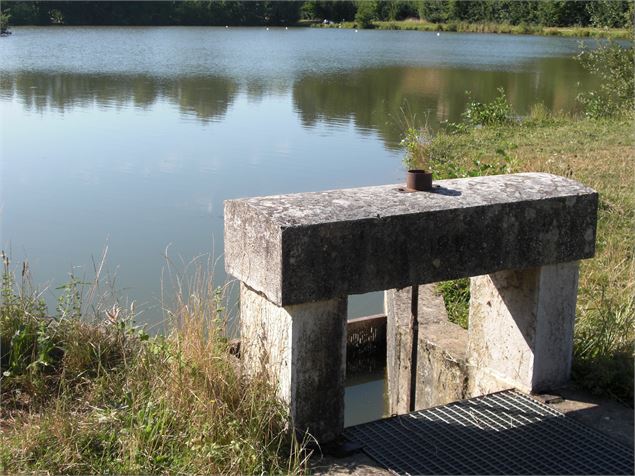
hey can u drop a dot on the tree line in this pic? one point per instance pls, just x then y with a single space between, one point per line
558 13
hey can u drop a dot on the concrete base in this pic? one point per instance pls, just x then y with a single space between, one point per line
521 328
302 350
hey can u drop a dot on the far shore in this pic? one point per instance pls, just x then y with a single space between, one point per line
419 25
502 28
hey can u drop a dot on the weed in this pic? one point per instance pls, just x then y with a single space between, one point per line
456 294
104 397
417 141
478 114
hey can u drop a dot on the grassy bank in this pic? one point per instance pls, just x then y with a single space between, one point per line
86 392
464 27
598 153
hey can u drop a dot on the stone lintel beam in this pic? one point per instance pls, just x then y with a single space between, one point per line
317 246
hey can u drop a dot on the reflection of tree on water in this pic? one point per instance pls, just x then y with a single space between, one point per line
373 98
207 97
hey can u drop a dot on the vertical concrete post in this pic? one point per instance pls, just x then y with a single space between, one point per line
397 303
521 328
441 354
302 349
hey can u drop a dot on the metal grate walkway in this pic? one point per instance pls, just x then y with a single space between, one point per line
501 433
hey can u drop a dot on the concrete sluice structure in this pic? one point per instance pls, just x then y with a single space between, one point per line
519 237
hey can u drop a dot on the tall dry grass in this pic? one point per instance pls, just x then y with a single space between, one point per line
100 395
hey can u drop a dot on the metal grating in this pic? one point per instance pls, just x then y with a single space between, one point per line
501 433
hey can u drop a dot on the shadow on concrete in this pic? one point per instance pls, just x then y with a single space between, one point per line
610 417
439 190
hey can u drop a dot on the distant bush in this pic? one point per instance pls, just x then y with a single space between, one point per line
4 21
613 64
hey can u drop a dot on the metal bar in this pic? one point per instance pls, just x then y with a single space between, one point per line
374 320
414 312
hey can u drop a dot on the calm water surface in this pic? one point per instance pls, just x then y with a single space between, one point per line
133 137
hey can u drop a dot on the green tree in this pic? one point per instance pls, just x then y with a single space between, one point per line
434 11
458 10
563 13
517 12
333 10
57 18
309 10
4 21
400 10
611 13
476 11
281 13
366 13
24 13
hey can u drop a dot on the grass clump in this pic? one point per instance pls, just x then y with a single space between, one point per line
456 294
102 396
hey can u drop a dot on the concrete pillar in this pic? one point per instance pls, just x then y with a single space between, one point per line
398 348
302 350
521 328
441 375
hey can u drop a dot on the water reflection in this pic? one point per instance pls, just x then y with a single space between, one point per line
372 98
205 97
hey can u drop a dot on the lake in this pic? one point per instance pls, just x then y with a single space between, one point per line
131 138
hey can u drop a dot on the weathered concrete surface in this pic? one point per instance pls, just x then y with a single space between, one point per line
302 350
612 418
398 349
521 328
357 464
441 352
317 246
442 374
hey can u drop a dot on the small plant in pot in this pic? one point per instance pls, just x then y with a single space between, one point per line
417 143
